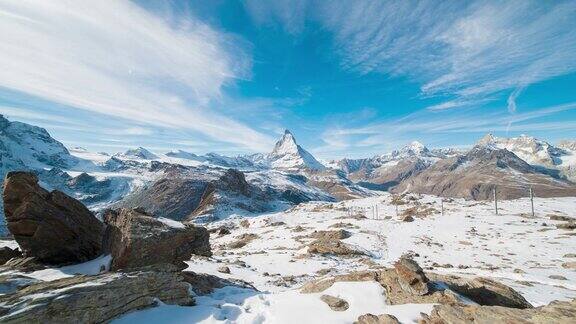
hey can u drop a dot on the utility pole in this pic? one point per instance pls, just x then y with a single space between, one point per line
495 200
396 210
532 200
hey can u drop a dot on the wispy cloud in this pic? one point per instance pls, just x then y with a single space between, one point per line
117 59
429 127
463 50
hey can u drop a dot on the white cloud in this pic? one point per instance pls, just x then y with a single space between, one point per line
464 49
428 126
115 58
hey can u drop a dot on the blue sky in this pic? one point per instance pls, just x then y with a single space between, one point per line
348 78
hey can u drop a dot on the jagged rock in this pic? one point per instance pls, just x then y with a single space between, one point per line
380 319
95 299
35 215
411 277
555 312
203 284
335 303
135 239
7 253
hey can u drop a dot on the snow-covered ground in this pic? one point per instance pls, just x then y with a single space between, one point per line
468 239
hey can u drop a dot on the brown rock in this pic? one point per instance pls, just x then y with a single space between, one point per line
242 240
411 277
135 239
7 253
335 303
95 299
330 235
332 246
380 319
224 269
51 226
569 265
555 312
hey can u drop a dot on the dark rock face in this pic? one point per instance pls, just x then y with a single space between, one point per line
51 226
135 239
7 253
95 299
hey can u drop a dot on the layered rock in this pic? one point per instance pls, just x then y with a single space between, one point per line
555 312
50 226
136 239
95 299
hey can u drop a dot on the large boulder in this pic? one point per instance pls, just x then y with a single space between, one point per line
136 239
411 277
50 226
95 299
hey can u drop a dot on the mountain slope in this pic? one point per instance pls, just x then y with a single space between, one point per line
475 174
387 170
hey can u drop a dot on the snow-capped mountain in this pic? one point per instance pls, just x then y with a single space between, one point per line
537 152
288 155
474 175
182 155
386 170
137 153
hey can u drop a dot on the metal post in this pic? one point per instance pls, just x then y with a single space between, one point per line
377 213
532 200
442 207
495 200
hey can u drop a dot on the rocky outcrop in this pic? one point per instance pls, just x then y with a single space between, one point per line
332 246
555 312
411 277
50 226
136 239
405 285
172 196
95 299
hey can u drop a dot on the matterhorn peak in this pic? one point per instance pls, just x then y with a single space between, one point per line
287 154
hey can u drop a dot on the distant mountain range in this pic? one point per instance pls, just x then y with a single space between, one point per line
184 185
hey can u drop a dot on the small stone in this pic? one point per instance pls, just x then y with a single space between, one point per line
335 303
224 269
557 277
